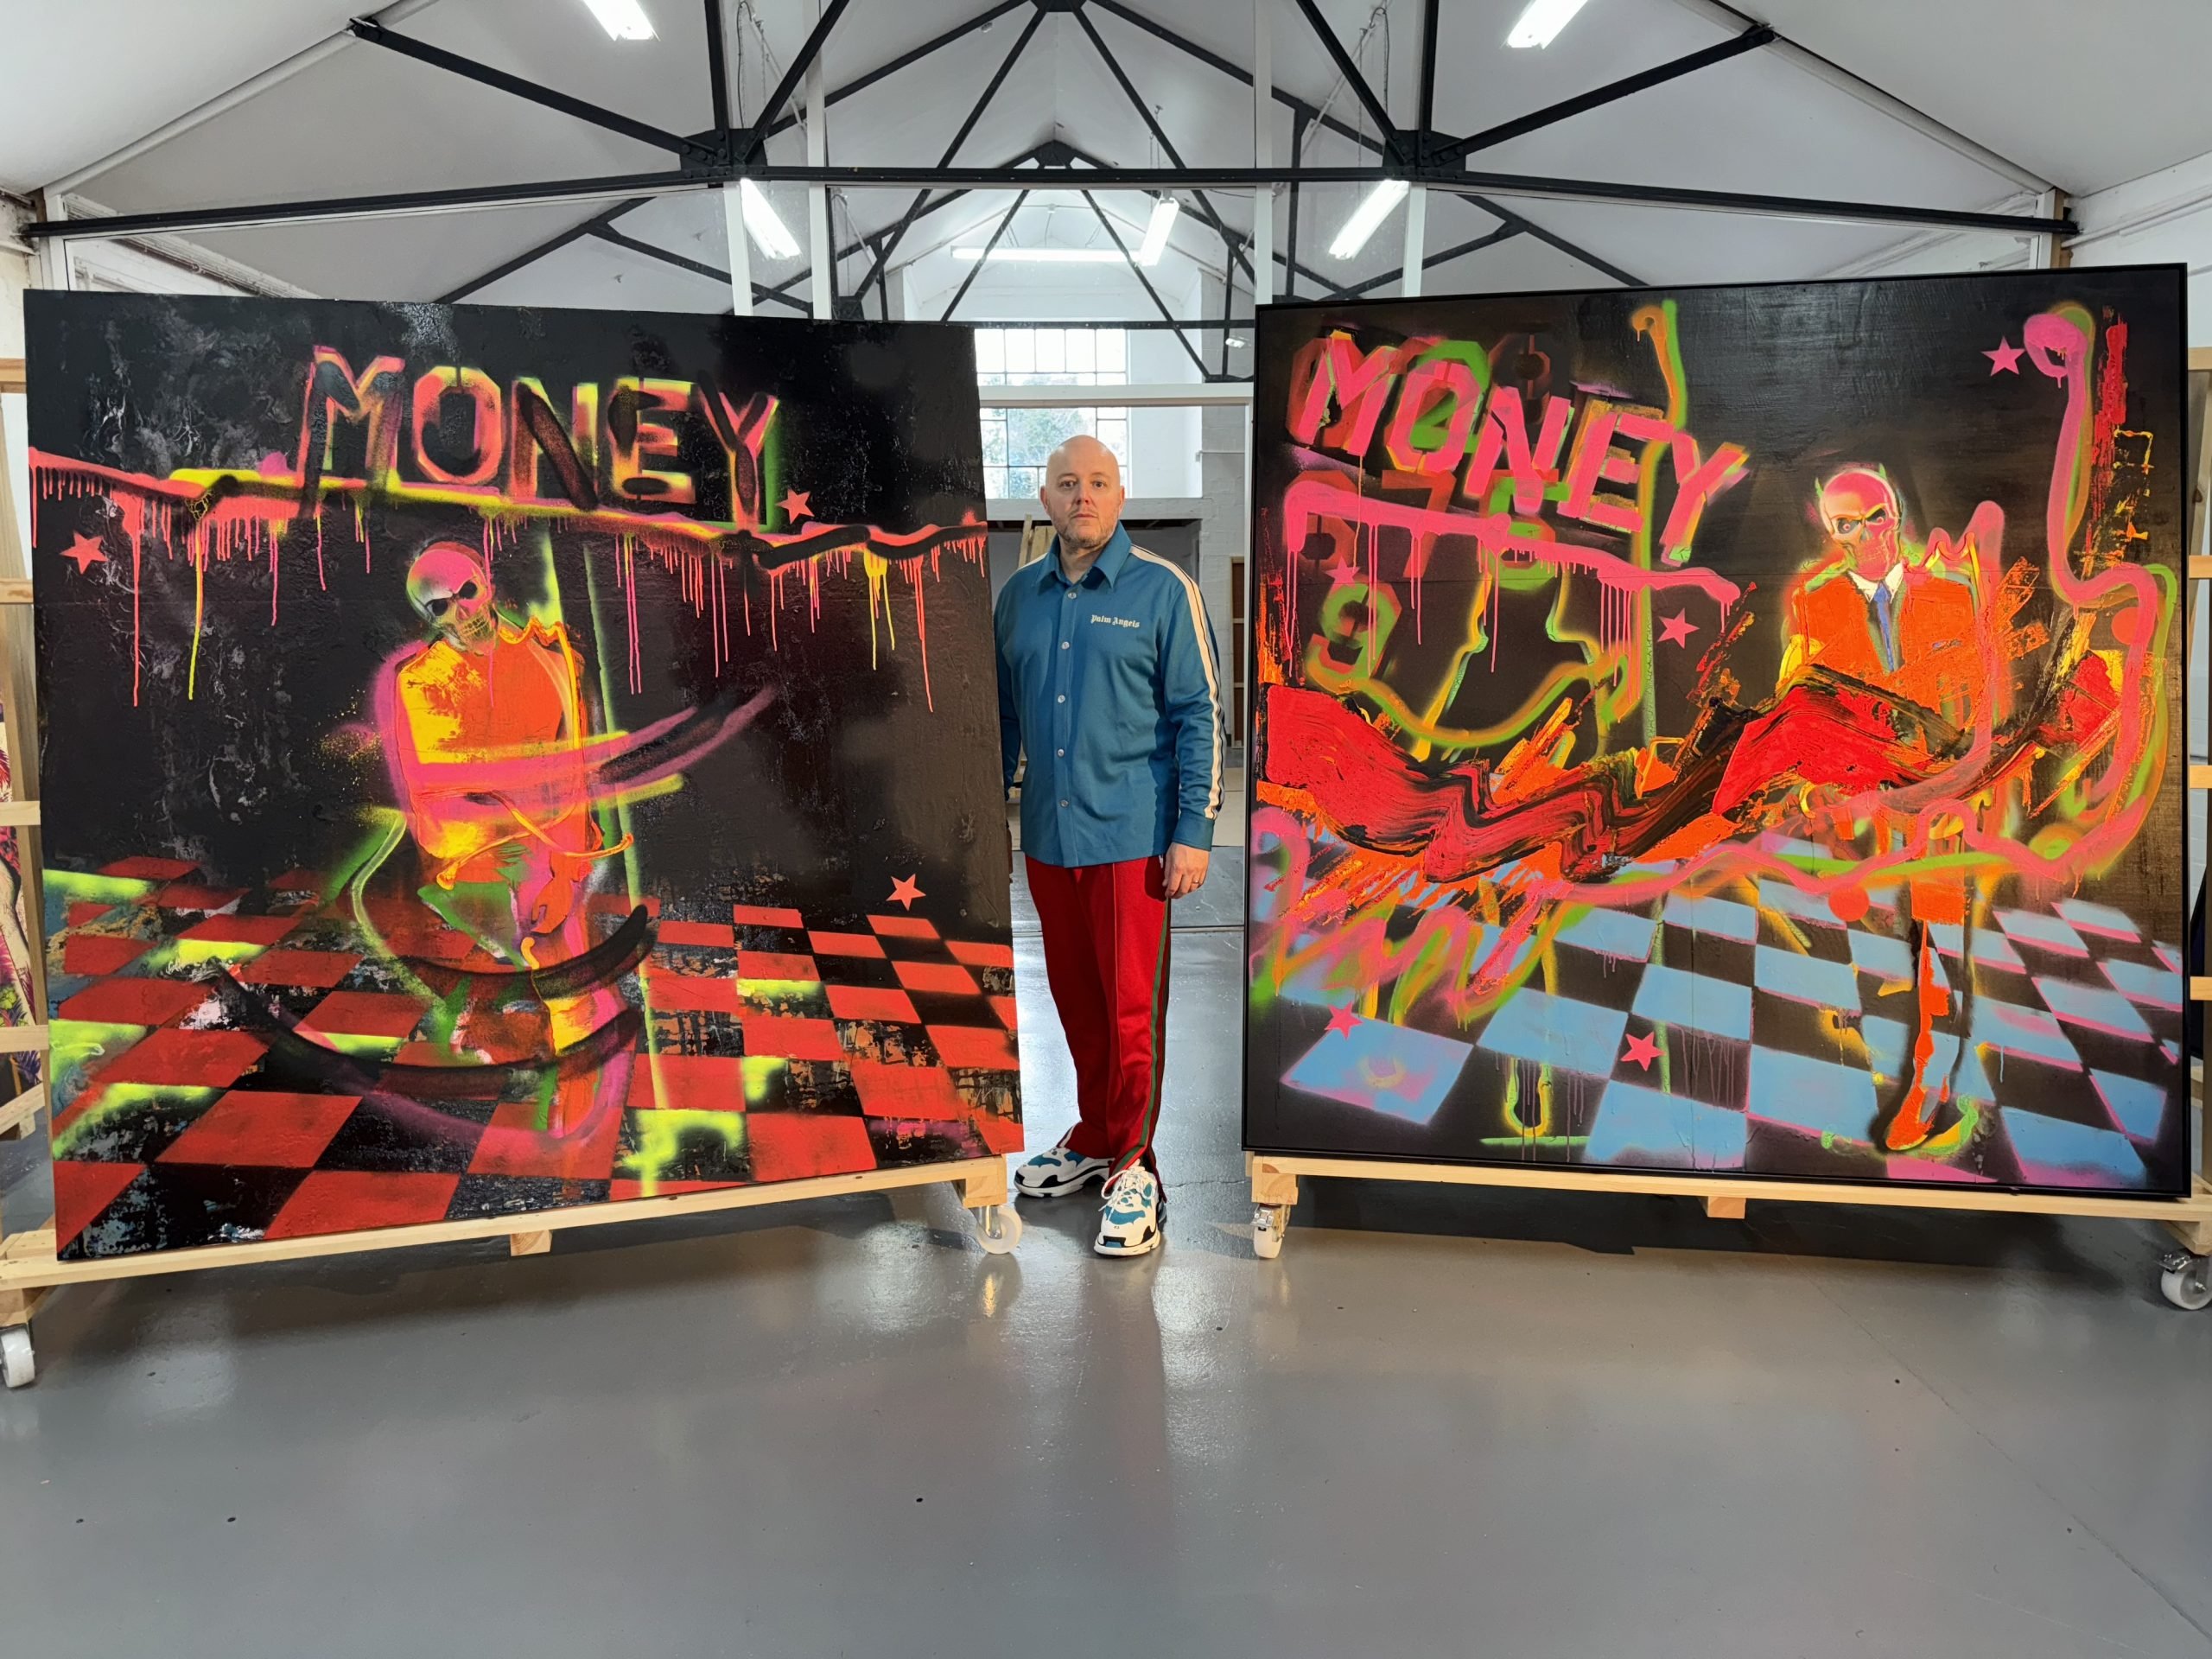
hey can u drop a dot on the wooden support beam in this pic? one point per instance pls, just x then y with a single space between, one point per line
1720 1208
984 1184
20 1116
540 1243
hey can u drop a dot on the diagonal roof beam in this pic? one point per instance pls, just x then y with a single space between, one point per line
1350 70
990 91
684 262
976 269
377 34
1309 114
1430 262
1875 97
1159 137
1137 271
1750 40
794 75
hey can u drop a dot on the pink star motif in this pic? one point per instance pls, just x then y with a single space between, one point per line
85 550
1342 1020
904 889
2005 360
795 507
1343 572
1642 1050
1678 628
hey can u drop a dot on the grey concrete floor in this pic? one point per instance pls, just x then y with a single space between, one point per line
1445 1422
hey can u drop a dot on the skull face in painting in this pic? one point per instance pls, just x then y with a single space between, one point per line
1862 515
450 589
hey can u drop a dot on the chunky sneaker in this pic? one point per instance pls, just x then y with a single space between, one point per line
1058 1173
1130 1222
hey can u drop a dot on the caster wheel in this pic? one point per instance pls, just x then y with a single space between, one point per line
1269 1222
17 1367
998 1228
2186 1281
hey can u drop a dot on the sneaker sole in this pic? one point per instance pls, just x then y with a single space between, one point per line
1058 1189
1145 1249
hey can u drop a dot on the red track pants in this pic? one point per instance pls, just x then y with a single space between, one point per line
1106 956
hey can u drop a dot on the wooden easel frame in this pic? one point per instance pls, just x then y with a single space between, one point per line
18 686
30 1270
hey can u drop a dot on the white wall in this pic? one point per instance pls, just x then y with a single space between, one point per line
15 277
2162 217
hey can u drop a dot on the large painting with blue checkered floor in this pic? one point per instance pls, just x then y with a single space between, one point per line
1731 730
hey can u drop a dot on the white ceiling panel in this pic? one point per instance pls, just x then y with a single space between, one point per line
79 81
2086 92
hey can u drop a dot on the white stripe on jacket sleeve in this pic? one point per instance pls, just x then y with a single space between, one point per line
1204 638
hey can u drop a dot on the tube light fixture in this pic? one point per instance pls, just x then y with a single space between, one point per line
1367 219
770 234
1540 24
1043 256
623 20
1156 228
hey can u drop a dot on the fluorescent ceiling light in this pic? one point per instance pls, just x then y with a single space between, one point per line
1541 23
623 20
770 234
1156 229
1237 345
1043 256
1368 217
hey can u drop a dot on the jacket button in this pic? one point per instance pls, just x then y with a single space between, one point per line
1063 697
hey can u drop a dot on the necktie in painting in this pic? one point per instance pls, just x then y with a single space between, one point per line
1886 626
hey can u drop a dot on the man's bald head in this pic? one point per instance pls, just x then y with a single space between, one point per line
1082 494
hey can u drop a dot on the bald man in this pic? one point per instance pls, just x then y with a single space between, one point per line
1108 680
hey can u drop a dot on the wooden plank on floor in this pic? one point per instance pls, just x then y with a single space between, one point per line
1739 1188
35 1264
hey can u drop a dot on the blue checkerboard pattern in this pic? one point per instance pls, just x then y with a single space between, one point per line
1715 1033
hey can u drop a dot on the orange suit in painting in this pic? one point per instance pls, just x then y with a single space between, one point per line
490 753
1919 633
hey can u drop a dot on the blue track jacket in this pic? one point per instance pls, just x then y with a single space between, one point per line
1113 687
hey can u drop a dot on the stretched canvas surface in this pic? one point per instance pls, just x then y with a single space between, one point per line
1728 729
499 760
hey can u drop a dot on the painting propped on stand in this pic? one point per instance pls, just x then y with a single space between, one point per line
1724 732
499 761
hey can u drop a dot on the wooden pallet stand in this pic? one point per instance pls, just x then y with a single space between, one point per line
1275 1174
30 1270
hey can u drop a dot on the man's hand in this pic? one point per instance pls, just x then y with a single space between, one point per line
1185 868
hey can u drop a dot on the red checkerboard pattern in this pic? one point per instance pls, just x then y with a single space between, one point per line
780 1045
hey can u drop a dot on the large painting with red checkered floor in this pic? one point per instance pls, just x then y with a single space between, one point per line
497 760
1731 730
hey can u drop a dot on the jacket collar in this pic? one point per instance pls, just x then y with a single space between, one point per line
1112 559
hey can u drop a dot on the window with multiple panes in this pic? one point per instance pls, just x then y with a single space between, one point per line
1017 443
